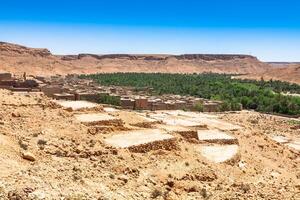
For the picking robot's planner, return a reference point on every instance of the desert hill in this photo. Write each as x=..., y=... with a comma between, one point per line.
x=289, y=72
x=54, y=154
x=18, y=59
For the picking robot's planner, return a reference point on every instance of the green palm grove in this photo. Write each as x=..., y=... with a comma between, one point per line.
x=263, y=96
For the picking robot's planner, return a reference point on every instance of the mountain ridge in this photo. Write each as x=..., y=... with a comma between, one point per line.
x=40, y=61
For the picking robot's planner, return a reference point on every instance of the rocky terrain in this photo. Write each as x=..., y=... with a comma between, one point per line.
x=18, y=59
x=283, y=71
x=51, y=152
x=290, y=71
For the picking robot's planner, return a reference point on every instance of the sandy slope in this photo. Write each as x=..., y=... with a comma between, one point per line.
x=18, y=59
x=287, y=72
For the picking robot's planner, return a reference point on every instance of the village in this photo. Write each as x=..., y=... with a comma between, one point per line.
x=72, y=88
x=57, y=130
x=150, y=100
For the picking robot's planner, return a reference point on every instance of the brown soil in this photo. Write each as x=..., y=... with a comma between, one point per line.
x=66, y=161
x=288, y=72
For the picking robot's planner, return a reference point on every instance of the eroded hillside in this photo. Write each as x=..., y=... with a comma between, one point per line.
x=51, y=152
x=17, y=59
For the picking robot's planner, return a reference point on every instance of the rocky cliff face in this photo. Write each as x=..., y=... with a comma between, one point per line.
x=18, y=59
x=209, y=57
x=13, y=49
x=206, y=57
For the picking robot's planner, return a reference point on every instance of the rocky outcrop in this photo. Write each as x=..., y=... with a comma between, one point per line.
x=69, y=57
x=209, y=57
x=205, y=57
x=121, y=56
x=13, y=49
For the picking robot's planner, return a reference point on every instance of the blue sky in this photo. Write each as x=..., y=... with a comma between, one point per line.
x=267, y=29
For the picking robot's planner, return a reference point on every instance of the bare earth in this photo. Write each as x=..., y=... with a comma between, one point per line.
x=19, y=59
x=287, y=72
x=47, y=153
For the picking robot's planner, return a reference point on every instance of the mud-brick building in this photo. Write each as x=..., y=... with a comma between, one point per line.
x=141, y=103
x=64, y=96
x=50, y=90
x=159, y=106
x=211, y=106
x=170, y=105
x=87, y=96
x=113, y=90
x=180, y=104
x=127, y=103
x=5, y=76
x=6, y=81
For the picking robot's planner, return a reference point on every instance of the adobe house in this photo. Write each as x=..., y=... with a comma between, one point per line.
x=5, y=76
x=141, y=103
x=64, y=96
x=88, y=96
x=159, y=106
x=127, y=103
x=211, y=106
x=50, y=90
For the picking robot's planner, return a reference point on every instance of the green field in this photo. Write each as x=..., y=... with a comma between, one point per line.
x=263, y=96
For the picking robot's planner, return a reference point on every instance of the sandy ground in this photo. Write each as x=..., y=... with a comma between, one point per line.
x=46, y=153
